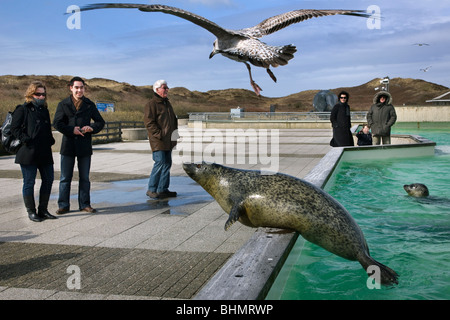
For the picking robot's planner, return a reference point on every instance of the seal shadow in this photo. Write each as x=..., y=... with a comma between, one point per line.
x=31, y=265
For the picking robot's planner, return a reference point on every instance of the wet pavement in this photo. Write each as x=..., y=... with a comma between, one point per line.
x=134, y=247
x=191, y=196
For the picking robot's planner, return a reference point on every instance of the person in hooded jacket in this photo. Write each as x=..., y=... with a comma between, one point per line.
x=341, y=122
x=162, y=124
x=381, y=117
x=31, y=124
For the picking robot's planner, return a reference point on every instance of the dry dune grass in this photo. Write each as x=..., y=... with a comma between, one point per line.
x=130, y=99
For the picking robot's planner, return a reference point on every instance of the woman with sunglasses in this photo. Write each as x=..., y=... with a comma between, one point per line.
x=341, y=122
x=31, y=124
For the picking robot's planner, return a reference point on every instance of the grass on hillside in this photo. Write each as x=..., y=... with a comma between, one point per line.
x=119, y=115
x=130, y=100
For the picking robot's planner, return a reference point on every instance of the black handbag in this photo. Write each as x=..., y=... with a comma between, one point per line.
x=10, y=143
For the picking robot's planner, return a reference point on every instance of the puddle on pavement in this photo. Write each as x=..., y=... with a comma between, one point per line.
x=190, y=198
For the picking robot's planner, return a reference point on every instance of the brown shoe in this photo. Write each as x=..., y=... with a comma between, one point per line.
x=89, y=209
x=62, y=210
x=152, y=194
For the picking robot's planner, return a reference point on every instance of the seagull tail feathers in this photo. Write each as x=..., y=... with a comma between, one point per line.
x=284, y=54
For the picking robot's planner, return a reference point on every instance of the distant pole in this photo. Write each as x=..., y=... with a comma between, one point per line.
x=385, y=83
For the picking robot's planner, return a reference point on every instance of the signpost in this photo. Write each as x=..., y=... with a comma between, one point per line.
x=105, y=106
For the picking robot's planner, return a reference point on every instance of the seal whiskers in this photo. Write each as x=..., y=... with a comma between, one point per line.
x=285, y=202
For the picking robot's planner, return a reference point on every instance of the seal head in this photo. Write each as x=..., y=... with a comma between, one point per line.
x=285, y=202
x=416, y=190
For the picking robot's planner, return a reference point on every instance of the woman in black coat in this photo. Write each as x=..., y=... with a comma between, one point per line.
x=31, y=124
x=341, y=122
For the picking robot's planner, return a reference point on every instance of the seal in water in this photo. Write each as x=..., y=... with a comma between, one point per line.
x=416, y=190
x=282, y=201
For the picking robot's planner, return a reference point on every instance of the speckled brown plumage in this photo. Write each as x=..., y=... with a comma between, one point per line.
x=242, y=45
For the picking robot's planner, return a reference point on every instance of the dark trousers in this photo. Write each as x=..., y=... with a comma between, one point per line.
x=29, y=173
x=84, y=185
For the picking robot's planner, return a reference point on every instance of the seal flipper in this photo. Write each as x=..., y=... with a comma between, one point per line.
x=235, y=213
x=387, y=275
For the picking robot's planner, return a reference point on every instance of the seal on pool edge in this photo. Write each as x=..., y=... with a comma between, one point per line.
x=282, y=201
x=416, y=190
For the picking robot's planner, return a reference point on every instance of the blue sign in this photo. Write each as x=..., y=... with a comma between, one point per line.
x=105, y=106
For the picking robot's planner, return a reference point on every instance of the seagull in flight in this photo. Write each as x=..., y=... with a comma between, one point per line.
x=426, y=69
x=420, y=44
x=243, y=45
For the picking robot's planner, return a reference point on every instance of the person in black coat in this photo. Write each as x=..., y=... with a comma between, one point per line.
x=341, y=122
x=31, y=124
x=73, y=119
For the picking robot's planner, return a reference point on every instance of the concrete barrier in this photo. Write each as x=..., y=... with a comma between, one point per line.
x=134, y=134
x=422, y=113
x=58, y=139
x=405, y=114
x=131, y=134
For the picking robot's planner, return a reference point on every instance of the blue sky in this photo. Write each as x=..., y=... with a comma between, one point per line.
x=136, y=47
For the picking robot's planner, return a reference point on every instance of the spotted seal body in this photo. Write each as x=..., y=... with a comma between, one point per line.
x=416, y=190
x=282, y=201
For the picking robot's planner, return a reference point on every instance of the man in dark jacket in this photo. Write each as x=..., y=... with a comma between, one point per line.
x=341, y=122
x=161, y=124
x=381, y=117
x=73, y=119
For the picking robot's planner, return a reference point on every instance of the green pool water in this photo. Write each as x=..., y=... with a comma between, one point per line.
x=410, y=235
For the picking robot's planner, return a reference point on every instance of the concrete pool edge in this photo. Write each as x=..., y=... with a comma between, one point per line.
x=251, y=271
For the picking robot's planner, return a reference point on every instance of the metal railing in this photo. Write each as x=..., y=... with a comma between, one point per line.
x=270, y=116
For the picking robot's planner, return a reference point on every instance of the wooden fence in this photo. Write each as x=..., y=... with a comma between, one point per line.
x=112, y=131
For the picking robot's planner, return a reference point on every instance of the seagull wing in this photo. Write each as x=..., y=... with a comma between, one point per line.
x=284, y=20
x=196, y=19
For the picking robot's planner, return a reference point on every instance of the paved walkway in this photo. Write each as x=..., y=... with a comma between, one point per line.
x=135, y=247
